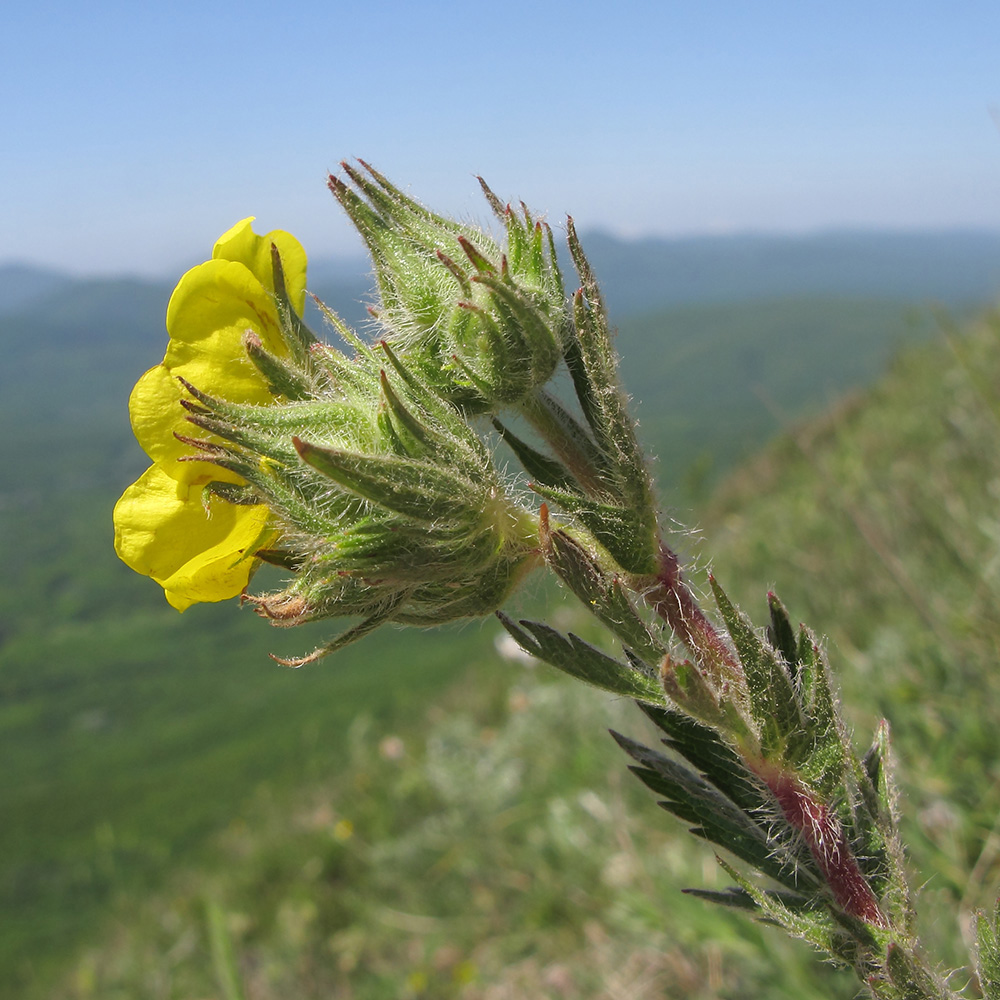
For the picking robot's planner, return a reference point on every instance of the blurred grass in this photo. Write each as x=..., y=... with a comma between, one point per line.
x=880, y=525
x=502, y=852
x=111, y=776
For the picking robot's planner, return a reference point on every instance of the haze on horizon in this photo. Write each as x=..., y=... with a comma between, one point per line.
x=134, y=136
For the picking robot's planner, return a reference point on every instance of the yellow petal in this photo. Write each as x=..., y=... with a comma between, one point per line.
x=212, y=307
x=243, y=245
x=163, y=531
x=157, y=416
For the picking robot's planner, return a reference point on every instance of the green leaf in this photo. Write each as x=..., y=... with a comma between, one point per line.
x=581, y=660
x=717, y=818
x=813, y=924
x=774, y=701
x=740, y=899
x=711, y=756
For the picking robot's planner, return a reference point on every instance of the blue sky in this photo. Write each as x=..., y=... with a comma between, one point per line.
x=133, y=135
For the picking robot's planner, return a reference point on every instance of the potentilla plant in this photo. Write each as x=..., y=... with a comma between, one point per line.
x=366, y=471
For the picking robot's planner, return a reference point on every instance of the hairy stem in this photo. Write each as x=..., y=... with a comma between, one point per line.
x=824, y=836
x=673, y=601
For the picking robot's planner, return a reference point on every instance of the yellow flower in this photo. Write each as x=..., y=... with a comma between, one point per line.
x=197, y=546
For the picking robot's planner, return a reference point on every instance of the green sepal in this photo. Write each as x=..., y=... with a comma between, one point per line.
x=282, y=379
x=482, y=264
x=540, y=333
x=590, y=286
x=629, y=541
x=282, y=558
x=781, y=635
x=872, y=826
x=320, y=350
x=383, y=614
x=909, y=978
x=687, y=687
x=414, y=439
x=604, y=595
x=446, y=430
x=297, y=335
x=541, y=468
x=774, y=702
x=393, y=200
x=408, y=552
x=456, y=272
x=586, y=394
x=579, y=659
x=603, y=400
x=246, y=436
x=589, y=466
x=234, y=493
x=406, y=486
x=877, y=764
x=499, y=210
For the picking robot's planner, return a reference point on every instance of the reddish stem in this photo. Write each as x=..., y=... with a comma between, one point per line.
x=818, y=826
x=824, y=836
x=676, y=605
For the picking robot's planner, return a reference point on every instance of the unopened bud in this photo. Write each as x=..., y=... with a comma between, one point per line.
x=486, y=326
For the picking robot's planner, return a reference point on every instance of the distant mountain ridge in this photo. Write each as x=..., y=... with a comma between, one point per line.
x=949, y=266
x=21, y=284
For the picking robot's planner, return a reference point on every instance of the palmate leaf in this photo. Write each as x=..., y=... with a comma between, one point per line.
x=713, y=758
x=706, y=751
x=811, y=923
x=717, y=818
x=581, y=660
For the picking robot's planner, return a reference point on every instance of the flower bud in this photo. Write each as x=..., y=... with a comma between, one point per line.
x=484, y=326
x=347, y=471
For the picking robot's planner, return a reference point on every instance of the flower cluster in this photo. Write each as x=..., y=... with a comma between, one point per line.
x=366, y=477
x=486, y=326
x=349, y=471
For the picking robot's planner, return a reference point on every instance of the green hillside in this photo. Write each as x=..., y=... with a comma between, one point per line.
x=493, y=846
x=715, y=382
x=880, y=525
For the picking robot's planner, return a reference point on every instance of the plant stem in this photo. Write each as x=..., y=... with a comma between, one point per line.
x=671, y=598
